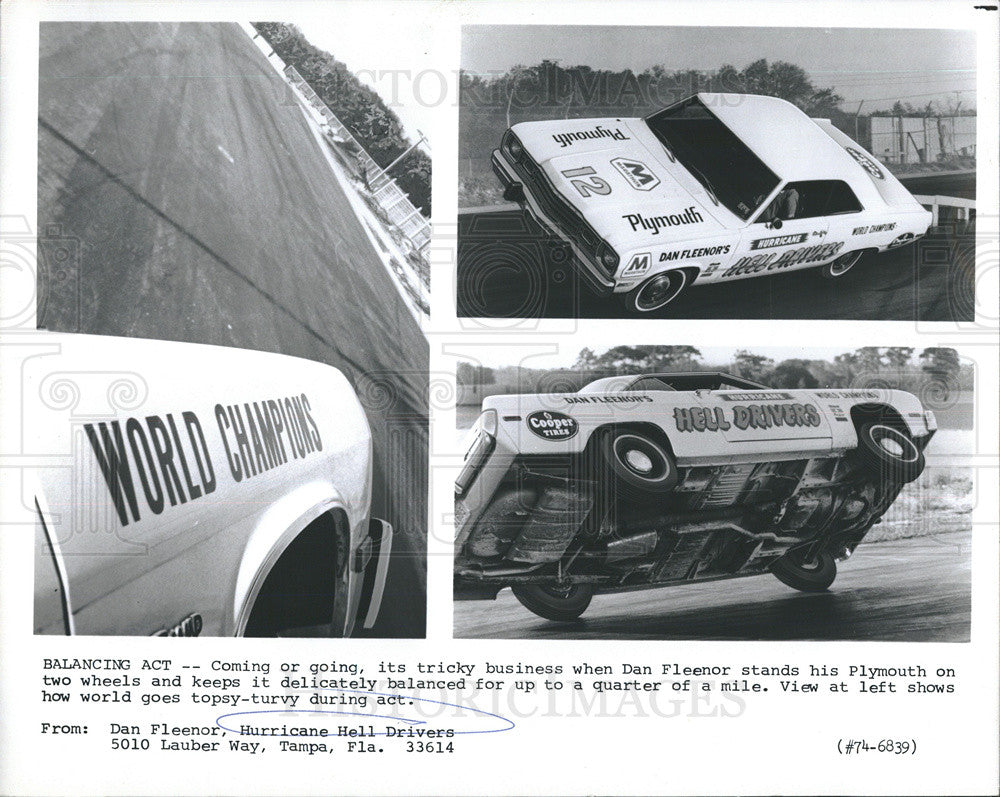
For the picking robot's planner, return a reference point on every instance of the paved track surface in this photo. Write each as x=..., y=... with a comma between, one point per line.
x=914, y=590
x=182, y=196
x=506, y=268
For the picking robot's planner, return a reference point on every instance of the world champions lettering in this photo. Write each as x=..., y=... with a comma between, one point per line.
x=166, y=461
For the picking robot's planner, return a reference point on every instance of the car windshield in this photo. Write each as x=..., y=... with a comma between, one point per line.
x=714, y=155
x=708, y=380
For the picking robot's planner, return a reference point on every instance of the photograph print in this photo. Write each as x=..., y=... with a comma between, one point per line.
x=675, y=492
x=717, y=173
x=230, y=392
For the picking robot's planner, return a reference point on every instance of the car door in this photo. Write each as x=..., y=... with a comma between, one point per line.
x=770, y=422
x=788, y=234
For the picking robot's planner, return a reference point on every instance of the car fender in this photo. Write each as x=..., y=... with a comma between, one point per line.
x=135, y=567
x=283, y=521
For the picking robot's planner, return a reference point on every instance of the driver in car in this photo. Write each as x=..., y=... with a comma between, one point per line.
x=784, y=206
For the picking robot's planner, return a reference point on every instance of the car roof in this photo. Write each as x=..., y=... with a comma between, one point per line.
x=617, y=384
x=791, y=144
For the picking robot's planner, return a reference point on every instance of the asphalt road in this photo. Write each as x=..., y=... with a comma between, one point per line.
x=182, y=196
x=915, y=590
x=507, y=268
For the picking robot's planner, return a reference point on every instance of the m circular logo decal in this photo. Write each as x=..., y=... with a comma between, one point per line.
x=552, y=425
x=867, y=163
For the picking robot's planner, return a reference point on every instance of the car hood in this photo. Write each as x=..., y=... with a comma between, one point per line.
x=616, y=173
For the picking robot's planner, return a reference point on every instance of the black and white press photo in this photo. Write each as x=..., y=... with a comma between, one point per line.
x=720, y=172
x=233, y=185
x=673, y=492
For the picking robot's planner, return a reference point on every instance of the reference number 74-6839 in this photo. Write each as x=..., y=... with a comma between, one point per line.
x=890, y=746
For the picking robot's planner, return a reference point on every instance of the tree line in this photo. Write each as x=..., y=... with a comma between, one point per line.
x=869, y=366
x=357, y=106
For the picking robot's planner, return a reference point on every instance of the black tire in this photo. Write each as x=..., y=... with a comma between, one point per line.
x=554, y=602
x=888, y=452
x=638, y=467
x=815, y=575
x=840, y=266
x=656, y=292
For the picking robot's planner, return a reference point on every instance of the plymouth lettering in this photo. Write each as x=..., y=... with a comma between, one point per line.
x=866, y=163
x=566, y=139
x=655, y=223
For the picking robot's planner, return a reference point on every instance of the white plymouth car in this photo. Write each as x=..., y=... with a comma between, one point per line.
x=178, y=489
x=716, y=187
x=661, y=479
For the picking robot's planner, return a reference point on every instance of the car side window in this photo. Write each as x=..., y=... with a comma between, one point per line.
x=650, y=383
x=808, y=199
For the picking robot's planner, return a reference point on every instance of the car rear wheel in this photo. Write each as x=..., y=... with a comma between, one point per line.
x=888, y=451
x=640, y=467
x=656, y=292
x=562, y=603
x=814, y=574
x=840, y=266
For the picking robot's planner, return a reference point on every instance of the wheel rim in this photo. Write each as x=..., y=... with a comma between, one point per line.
x=639, y=461
x=893, y=443
x=560, y=591
x=844, y=263
x=641, y=458
x=660, y=290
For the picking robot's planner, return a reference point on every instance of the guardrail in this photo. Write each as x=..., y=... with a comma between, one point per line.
x=935, y=203
x=390, y=197
x=396, y=205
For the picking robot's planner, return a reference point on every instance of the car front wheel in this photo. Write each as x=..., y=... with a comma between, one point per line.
x=562, y=603
x=840, y=266
x=656, y=292
x=888, y=451
x=805, y=574
x=641, y=468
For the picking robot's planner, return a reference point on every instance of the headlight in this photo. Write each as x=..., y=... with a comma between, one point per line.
x=512, y=147
x=608, y=258
x=482, y=440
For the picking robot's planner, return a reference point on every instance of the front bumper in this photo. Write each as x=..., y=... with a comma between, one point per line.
x=541, y=202
x=371, y=564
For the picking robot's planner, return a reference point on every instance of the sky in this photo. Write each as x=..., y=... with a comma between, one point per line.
x=404, y=75
x=875, y=65
x=542, y=356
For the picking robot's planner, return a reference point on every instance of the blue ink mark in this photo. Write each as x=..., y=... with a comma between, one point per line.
x=510, y=723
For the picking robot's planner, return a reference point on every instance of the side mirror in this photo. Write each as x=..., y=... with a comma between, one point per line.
x=775, y=224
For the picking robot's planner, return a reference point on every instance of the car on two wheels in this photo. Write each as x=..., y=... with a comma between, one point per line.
x=714, y=188
x=655, y=480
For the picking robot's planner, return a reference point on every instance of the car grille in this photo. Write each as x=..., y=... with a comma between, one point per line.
x=552, y=204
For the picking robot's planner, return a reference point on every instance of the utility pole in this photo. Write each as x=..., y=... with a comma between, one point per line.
x=423, y=138
x=856, y=115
